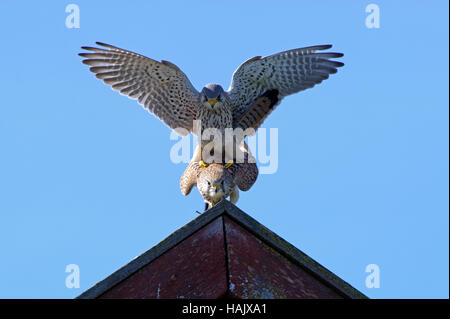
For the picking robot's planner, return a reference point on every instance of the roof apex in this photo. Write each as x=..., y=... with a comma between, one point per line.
x=251, y=225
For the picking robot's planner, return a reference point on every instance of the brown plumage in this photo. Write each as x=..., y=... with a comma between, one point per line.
x=216, y=182
x=164, y=90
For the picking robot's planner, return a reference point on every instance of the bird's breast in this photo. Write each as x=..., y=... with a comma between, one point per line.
x=215, y=119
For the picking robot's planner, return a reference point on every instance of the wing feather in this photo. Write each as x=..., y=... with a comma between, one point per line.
x=245, y=174
x=189, y=178
x=160, y=87
x=287, y=72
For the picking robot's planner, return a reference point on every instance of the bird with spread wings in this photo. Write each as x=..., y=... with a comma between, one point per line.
x=258, y=85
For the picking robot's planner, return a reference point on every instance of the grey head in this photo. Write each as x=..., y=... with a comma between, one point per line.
x=212, y=95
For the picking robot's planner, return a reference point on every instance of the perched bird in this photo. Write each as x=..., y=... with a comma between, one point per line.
x=216, y=182
x=164, y=90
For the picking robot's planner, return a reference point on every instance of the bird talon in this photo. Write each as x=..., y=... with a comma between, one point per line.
x=203, y=164
x=227, y=165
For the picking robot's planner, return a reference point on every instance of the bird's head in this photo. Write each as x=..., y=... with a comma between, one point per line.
x=215, y=182
x=213, y=96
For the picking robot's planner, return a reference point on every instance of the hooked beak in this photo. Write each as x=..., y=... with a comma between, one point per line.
x=212, y=102
x=217, y=187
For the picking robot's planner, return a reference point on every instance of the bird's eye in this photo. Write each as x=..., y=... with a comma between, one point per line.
x=209, y=184
x=218, y=97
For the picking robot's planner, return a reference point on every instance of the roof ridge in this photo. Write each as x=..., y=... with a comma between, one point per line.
x=253, y=226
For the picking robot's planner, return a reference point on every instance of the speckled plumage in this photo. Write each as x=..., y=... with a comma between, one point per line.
x=257, y=87
x=164, y=90
x=288, y=72
x=239, y=176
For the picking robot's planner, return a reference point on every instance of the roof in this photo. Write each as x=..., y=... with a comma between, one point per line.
x=223, y=253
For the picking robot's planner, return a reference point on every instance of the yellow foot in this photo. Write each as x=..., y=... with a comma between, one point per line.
x=208, y=205
x=203, y=164
x=227, y=165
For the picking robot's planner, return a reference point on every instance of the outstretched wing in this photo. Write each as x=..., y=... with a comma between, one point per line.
x=287, y=72
x=160, y=87
x=189, y=178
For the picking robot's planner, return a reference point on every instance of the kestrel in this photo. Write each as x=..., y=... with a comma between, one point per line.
x=164, y=90
x=216, y=182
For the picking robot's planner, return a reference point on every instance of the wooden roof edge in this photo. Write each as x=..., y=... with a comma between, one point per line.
x=153, y=253
x=253, y=226
x=292, y=252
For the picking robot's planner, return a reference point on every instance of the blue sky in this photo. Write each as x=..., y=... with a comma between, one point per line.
x=85, y=173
